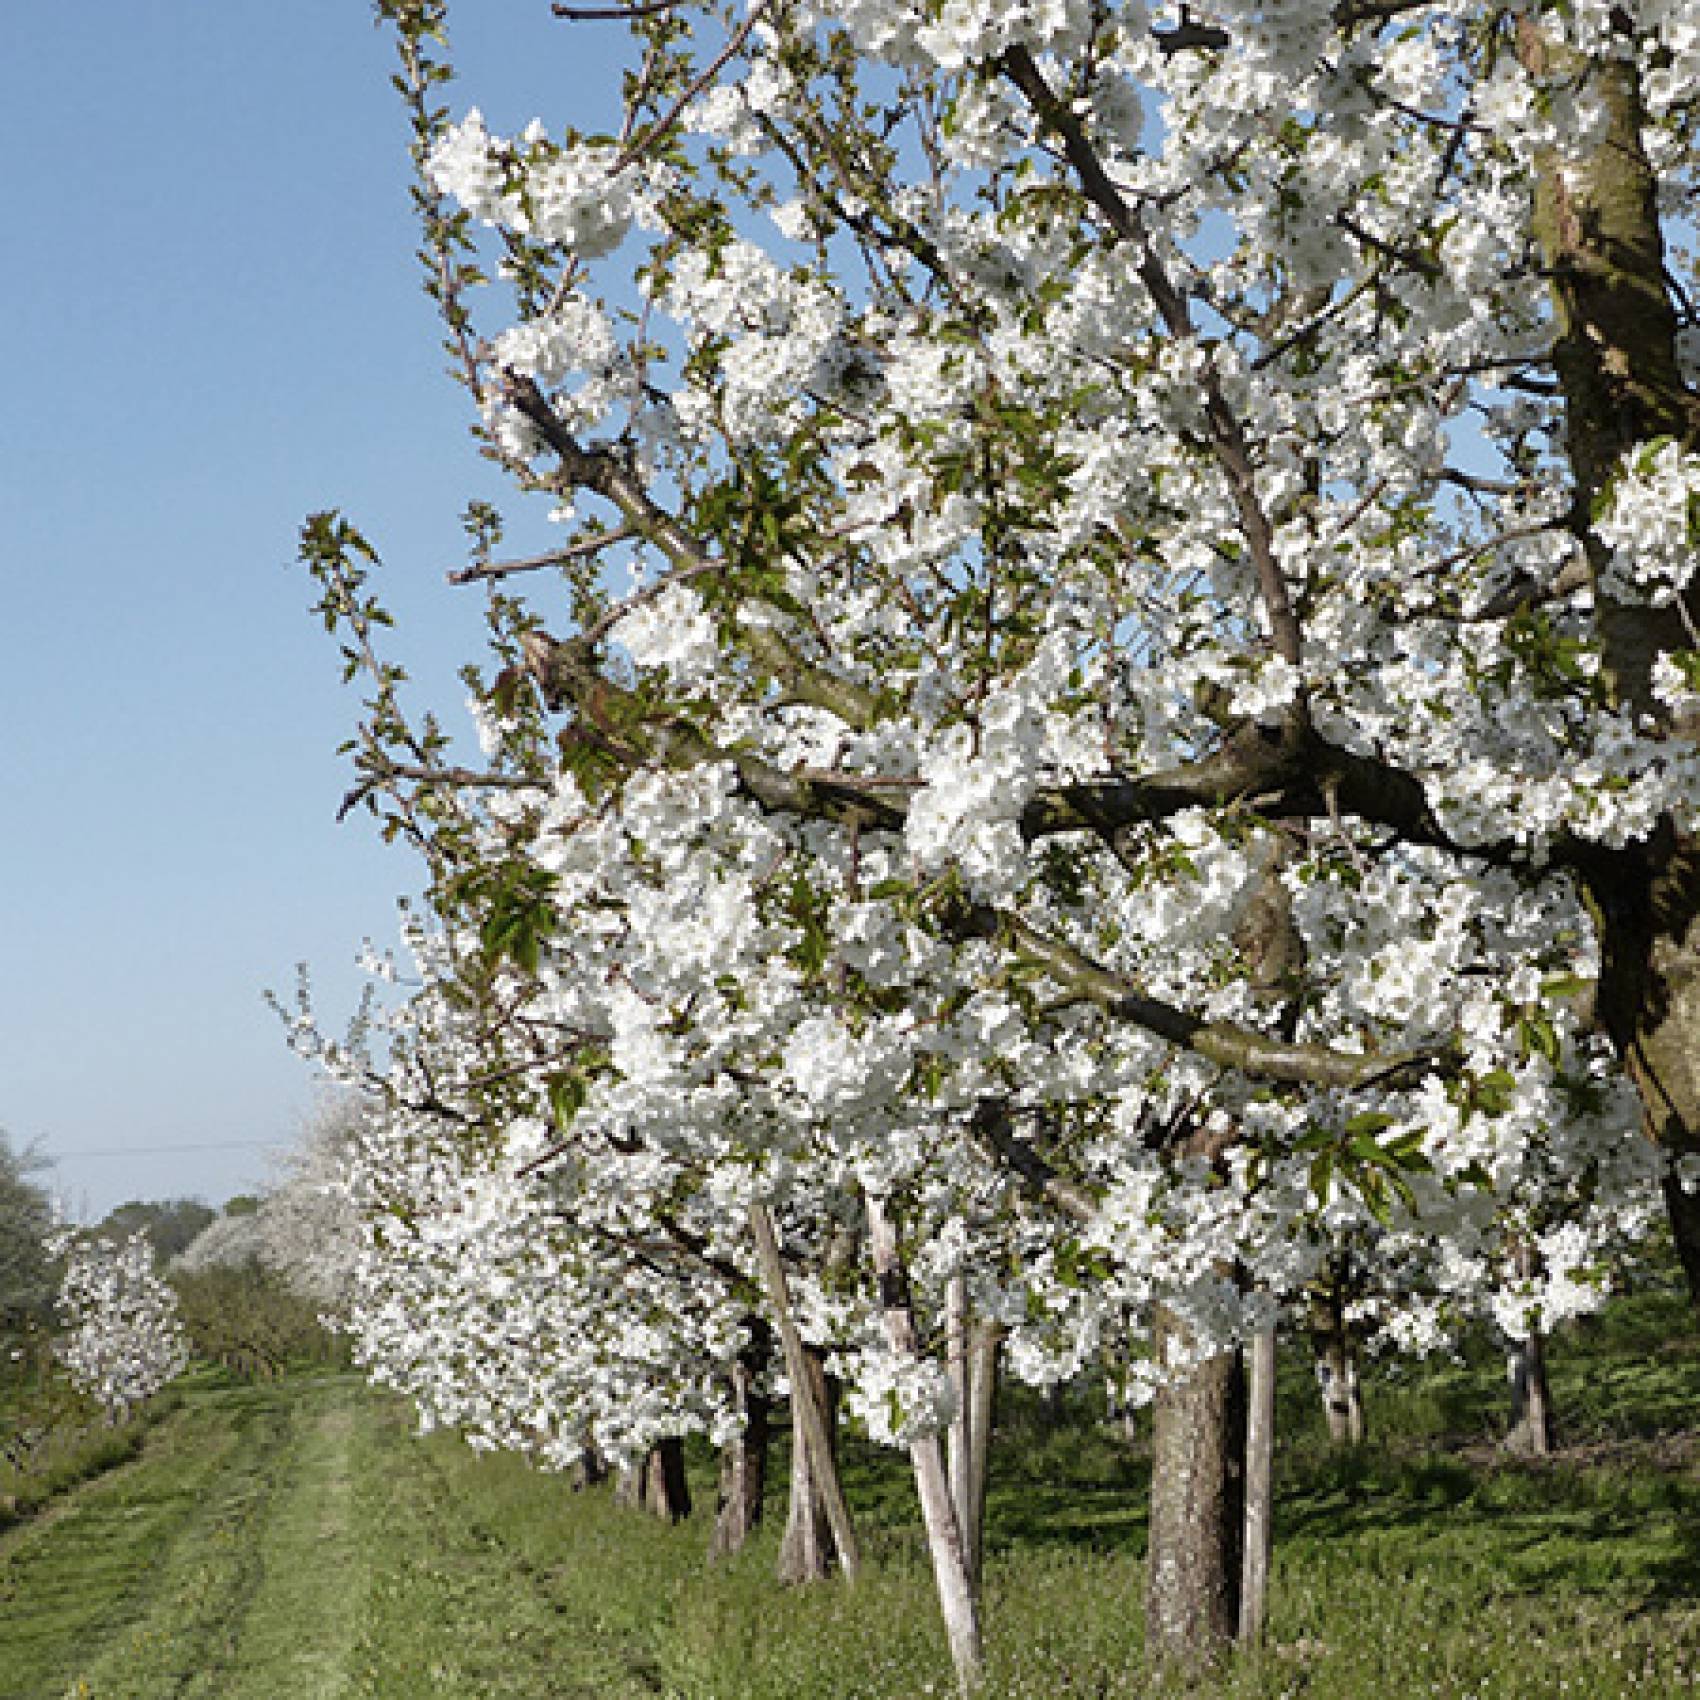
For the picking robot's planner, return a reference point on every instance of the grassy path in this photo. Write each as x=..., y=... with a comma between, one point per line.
x=292, y=1543
x=299, y=1542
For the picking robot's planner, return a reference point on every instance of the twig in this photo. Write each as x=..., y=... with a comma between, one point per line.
x=638, y=598
x=662, y=125
x=531, y=563
x=638, y=9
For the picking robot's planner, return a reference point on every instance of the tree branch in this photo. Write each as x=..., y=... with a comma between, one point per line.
x=993, y=1127
x=606, y=473
x=1227, y=435
x=483, y=570
x=1262, y=1056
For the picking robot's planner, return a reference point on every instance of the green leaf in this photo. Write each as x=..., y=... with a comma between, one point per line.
x=1370, y=1122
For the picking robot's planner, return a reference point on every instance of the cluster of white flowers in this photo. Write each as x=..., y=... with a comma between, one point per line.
x=1652, y=525
x=576, y=195
x=123, y=1341
x=974, y=837
x=670, y=629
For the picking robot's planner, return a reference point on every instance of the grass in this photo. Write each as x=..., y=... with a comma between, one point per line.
x=297, y=1542
x=52, y=1438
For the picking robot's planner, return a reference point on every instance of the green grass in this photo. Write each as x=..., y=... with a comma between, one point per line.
x=296, y=1541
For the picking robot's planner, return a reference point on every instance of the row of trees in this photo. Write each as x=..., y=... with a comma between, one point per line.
x=263, y=1285
x=1110, y=731
x=120, y=1307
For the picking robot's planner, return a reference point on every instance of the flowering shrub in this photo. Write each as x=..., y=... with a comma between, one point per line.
x=123, y=1341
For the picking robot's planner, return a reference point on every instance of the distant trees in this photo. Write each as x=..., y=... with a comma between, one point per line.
x=303, y=1230
x=257, y=1285
x=26, y=1218
x=170, y=1225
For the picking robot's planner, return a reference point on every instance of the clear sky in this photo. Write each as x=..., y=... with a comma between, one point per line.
x=212, y=327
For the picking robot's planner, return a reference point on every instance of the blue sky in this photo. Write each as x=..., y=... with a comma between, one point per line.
x=213, y=326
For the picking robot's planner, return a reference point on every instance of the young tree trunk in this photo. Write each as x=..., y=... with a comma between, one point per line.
x=666, y=1494
x=1192, y=1591
x=985, y=1349
x=591, y=1468
x=972, y=1348
x=1259, y=1539
x=1531, y=1400
x=958, y=1453
x=1526, y=1368
x=743, y=1460
x=629, y=1484
x=813, y=1452
x=958, y=1598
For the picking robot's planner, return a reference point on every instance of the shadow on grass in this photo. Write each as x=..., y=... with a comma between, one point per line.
x=1628, y=1534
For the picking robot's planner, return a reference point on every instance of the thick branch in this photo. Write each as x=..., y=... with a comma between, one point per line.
x=1597, y=220
x=1262, y=1056
x=1286, y=769
x=568, y=676
x=993, y=1127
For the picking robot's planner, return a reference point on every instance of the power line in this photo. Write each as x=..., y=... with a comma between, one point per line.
x=165, y=1150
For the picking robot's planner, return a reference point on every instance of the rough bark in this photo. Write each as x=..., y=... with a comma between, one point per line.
x=1259, y=1538
x=808, y=1550
x=743, y=1460
x=813, y=1450
x=1192, y=1595
x=1597, y=222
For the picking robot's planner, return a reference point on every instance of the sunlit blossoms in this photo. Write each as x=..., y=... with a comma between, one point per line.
x=1108, y=660
x=1116, y=718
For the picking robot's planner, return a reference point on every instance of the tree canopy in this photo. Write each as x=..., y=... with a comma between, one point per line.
x=1115, y=702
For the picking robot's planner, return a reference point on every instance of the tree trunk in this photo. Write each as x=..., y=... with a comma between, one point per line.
x=808, y=1549
x=629, y=1484
x=743, y=1460
x=666, y=1494
x=1531, y=1399
x=813, y=1451
x=1192, y=1594
x=972, y=1349
x=1259, y=1539
x=958, y=1597
x=591, y=1469
x=1337, y=1370
x=985, y=1348
x=1597, y=221
x=958, y=1451
x=1342, y=1394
